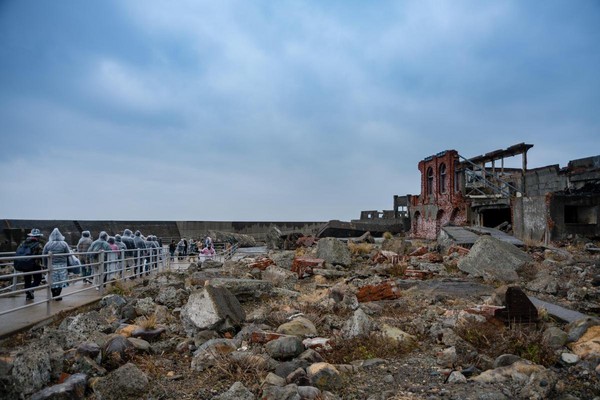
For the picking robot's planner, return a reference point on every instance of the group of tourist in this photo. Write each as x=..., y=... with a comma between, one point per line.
x=131, y=251
x=189, y=249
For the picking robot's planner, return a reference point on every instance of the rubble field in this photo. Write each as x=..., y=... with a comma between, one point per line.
x=402, y=319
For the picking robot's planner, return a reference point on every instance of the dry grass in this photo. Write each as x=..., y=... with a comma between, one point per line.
x=147, y=323
x=344, y=351
x=358, y=249
x=522, y=340
x=387, y=235
x=228, y=370
x=120, y=288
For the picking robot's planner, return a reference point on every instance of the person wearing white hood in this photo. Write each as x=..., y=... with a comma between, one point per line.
x=60, y=253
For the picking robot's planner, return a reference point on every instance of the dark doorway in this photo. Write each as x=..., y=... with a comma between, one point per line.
x=495, y=216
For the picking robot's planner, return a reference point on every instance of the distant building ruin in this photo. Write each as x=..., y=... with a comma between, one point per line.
x=541, y=204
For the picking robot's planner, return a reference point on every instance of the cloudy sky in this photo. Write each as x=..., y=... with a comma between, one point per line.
x=278, y=110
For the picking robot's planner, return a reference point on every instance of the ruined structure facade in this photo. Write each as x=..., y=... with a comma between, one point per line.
x=541, y=204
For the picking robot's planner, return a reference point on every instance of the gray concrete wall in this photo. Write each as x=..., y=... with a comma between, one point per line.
x=544, y=180
x=529, y=218
x=589, y=224
x=17, y=230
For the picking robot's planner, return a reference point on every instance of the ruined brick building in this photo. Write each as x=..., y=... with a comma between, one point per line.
x=540, y=204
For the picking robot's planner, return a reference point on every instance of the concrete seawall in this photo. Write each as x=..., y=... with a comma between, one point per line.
x=15, y=230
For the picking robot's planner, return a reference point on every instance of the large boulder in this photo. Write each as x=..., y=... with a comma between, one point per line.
x=127, y=382
x=300, y=326
x=244, y=289
x=359, y=325
x=334, y=251
x=240, y=239
x=237, y=391
x=83, y=326
x=212, y=308
x=285, y=348
x=494, y=260
x=34, y=366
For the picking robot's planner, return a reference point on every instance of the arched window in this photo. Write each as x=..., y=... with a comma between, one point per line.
x=429, y=181
x=443, y=178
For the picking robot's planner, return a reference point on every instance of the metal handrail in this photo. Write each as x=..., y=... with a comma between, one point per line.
x=496, y=188
x=128, y=264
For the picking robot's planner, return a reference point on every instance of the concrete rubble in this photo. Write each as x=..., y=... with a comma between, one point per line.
x=398, y=320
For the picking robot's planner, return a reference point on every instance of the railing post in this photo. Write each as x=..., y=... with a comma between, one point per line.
x=48, y=282
x=101, y=273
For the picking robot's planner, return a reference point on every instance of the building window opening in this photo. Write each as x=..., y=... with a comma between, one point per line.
x=495, y=217
x=443, y=178
x=429, y=181
x=586, y=215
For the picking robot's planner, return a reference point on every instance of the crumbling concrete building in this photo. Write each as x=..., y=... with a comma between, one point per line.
x=541, y=204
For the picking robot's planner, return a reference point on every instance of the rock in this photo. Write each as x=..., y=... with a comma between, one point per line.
x=145, y=306
x=212, y=308
x=274, y=380
x=140, y=345
x=229, y=237
x=73, y=388
x=278, y=276
x=544, y=283
x=578, y=328
x=359, y=325
x=310, y=356
x=457, y=377
x=283, y=259
x=117, y=351
x=113, y=300
x=126, y=382
x=207, y=354
x=148, y=334
x=324, y=376
x=171, y=297
x=536, y=381
x=569, y=358
x=89, y=349
x=285, y=348
x=83, y=326
x=36, y=365
x=505, y=360
x=299, y=326
x=309, y=393
x=298, y=376
x=588, y=346
x=447, y=357
x=334, y=251
x=405, y=339
x=494, y=260
x=397, y=245
x=237, y=391
x=274, y=238
x=212, y=264
x=288, y=392
x=555, y=337
x=244, y=289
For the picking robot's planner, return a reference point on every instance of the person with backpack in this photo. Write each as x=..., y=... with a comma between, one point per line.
x=32, y=246
x=60, y=266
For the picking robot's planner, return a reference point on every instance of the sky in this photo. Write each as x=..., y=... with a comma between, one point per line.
x=279, y=110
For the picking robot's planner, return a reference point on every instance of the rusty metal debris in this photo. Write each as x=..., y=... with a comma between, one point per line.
x=387, y=290
x=262, y=263
x=303, y=266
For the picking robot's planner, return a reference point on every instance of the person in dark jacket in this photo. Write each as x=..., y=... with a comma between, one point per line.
x=129, y=254
x=35, y=242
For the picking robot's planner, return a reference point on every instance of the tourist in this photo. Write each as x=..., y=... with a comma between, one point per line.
x=32, y=246
x=82, y=247
x=60, y=268
x=112, y=258
x=128, y=240
x=172, y=248
x=122, y=248
x=98, y=245
x=140, y=245
x=180, y=249
x=152, y=247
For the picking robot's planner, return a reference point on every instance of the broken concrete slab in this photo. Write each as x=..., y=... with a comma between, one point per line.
x=494, y=260
x=334, y=252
